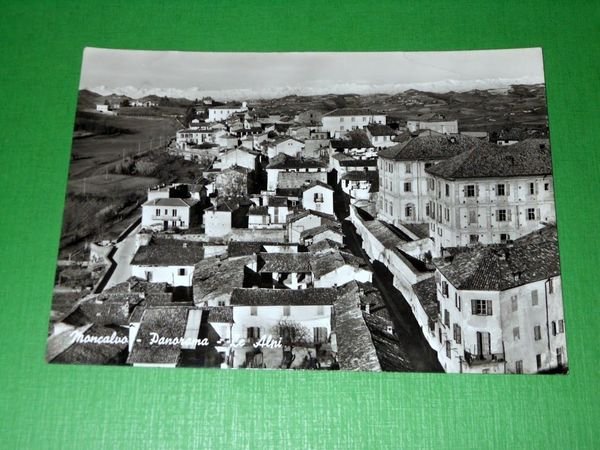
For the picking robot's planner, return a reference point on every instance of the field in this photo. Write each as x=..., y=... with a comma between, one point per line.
x=91, y=155
x=111, y=183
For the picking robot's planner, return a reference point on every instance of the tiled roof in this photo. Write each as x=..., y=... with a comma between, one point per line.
x=235, y=248
x=498, y=267
x=378, y=129
x=426, y=294
x=424, y=148
x=219, y=314
x=284, y=262
x=214, y=277
x=167, y=322
x=310, y=212
x=283, y=297
x=392, y=357
x=280, y=139
x=325, y=244
x=64, y=349
x=171, y=202
x=343, y=112
x=361, y=175
x=314, y=183
x=284, y=161
x=526, y=158
x=372, y=162
x=356, y=350
x=326, y=262
x=258, y=211
x=277, y=201
x=312, y=232
x=169, y=252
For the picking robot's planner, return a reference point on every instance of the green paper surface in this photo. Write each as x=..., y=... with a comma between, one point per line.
x=52, y=406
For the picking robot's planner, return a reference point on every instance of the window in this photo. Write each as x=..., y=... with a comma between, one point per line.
x=221, y=303
x=447, y=214
x=253, y=311
x=481, y=307
x=456, y=332
x=472, y=216
x=504, y=237
x=318, y=198
x=537, y=332
x=457, y=300
x=559, y=356
x=448, y=350
x=538, y=361
x=514, y=304
x=530, y=213
x=174, y=212
x=473, y=238
x=532, y=187
x=408, y=187
x=181, y=272
x=319, y=334
x=427, y=209
x=447, y=318
x=470, y=190
x=500, y=190
x=501, y=215
x=561, y=326
x=550, y=286
x=447, y=190
x=408, y=211
x=157, y=212
x=516, y=334
x=286, y=310
x=534, y=297
x=408, y=168
x=253, y=333
x=519, y=366
x=553, y=328
x=483, y=344
x=444, y=289
x=546, y=186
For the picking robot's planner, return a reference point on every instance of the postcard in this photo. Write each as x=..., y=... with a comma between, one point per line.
x=381, y=211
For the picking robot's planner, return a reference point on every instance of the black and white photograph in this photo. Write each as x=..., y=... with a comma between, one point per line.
x=373, y=211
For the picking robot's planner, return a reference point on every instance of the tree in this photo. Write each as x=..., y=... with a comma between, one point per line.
x=125, y=103
x=292, y=334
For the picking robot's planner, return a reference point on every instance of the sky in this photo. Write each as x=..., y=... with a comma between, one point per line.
x=247, y=76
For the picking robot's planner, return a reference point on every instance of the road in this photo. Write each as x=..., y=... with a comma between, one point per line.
x=122, y=257
x=421, y=357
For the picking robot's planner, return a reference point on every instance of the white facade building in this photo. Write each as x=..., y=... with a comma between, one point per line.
x=220, y=113
x=340, y=121
x=501, y=308
x=318, y=196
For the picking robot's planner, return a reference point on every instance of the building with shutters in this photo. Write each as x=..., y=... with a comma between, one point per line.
x=500, y=307
x=490, y=194
x=403, y=181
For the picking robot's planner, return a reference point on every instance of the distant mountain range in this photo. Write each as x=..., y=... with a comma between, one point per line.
x=89, y=98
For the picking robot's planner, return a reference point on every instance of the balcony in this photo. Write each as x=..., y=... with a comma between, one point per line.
x=474, y=359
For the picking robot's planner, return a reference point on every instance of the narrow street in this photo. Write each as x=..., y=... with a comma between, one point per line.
x=122, y=258
x=420, y=355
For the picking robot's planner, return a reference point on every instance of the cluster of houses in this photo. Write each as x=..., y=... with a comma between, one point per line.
x=476, y=249
x=247, y=266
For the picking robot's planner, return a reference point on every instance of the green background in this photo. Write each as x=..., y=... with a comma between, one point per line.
x=44, y=406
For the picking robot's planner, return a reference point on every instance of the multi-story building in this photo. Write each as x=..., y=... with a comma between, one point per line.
x=340, y=121
x=220, y=113
x=490, y=194
x=500, y=307
x=403, y=181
